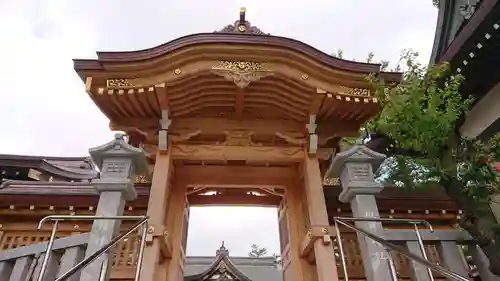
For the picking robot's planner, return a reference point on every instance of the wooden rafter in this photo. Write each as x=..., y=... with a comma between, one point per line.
x=240, y=100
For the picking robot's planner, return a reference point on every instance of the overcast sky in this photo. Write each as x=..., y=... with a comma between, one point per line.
x=45, y=111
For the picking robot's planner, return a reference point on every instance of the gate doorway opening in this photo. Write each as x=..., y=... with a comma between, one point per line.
x=237, y=226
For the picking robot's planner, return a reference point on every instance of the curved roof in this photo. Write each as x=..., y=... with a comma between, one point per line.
x=239, y=33
x=76, y=168
x=238, y=73
x=221, y=38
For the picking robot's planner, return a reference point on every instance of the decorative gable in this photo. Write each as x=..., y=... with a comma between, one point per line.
x=222, y=273
x=222, y=269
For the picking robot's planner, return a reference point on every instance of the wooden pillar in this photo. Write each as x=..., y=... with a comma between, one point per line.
x=295, y=268
x=175, y=223
x=154, y=265
x=318, y=216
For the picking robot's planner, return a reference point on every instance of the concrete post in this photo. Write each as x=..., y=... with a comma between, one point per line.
x=355, y=167
x=418, y=271
x=482, y=263
x=452, y=257
x=118, y=162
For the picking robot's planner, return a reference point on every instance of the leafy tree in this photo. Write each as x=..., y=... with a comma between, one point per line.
x=339, y=54
x=257, y=251
x=277, y=260
x=418, y=129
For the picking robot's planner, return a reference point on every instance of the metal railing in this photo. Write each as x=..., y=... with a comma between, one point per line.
x=142, y=221
x=388, y=246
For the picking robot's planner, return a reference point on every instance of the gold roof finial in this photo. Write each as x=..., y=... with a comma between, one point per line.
x=242, y=26
x=242, y=23
x=242, y=18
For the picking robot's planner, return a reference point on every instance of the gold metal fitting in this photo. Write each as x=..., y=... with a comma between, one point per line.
x=177, y=71
x=151, y=229
x=325, y=230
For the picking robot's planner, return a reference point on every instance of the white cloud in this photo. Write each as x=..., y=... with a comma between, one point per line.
x=45, y=110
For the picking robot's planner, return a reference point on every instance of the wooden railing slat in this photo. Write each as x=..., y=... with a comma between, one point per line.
x=52, y=267
x=6, y=268
x=61, y=243
x=71, y=257
x=21, y=268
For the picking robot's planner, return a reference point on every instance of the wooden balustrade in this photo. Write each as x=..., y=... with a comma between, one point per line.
x=353, y=257
x=19, y=263
x=21, y=253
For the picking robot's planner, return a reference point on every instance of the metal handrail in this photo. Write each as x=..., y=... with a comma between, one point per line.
x=390, y=246
x=392, y=267
x=142, y=221
x=409, y=221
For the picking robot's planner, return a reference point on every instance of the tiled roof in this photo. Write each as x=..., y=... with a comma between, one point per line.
x=255, y=269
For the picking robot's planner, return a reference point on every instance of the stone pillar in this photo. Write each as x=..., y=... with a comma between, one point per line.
x=318, y=217
x=118, y=162
x=482, y=263
x=452, y=257
x=355, y=167
x=418, y=271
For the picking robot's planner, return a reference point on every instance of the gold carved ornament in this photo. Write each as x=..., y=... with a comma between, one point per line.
x=117, y=83
x=356, y=92
x=331, y=181
x=242, y=73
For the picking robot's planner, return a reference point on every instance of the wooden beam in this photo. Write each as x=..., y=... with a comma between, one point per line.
x=317, y=101
x=235, y=176
x=249, y=153
x=315, y=233
x=240, y=100
x=220, y=125
x=234, y=200
x=161, y=93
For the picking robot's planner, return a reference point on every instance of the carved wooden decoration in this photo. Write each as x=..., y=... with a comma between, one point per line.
x=242, y=26
x=184, y=137
x=242, y=73
x=117, y=83
x=239, y=138
x=359, y=92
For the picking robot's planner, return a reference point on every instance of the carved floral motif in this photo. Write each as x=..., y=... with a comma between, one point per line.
x=358, y=92
x=331, y=181
x=241, y=72
x=141, y=179
x=239, y=138
x=116, y=83
x=184, y=137
x=240, y=66
x=291, y=139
